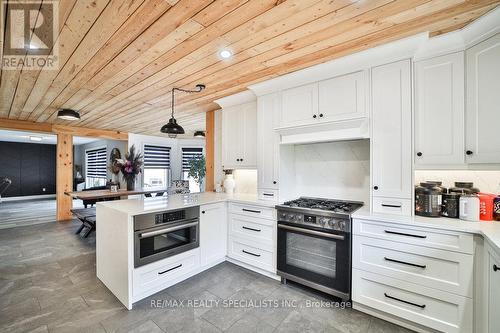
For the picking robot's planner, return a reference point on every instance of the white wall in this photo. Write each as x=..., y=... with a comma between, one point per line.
x=486, y=181
x=334, y=170
x=79, y=152
x=175, y=153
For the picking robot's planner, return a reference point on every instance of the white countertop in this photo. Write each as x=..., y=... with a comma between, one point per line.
x=490, y=230
x=139, y=206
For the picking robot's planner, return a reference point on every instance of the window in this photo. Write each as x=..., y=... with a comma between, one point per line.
x=189, y=153
x=95, y=167
x=156, y=166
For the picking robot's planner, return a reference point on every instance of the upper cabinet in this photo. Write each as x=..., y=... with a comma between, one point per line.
x=391, y=135
x=268, y=112
x=239, y=131
x=483, y=102
x=340, y=98
x=299, y=105
x=439, y=110
x=343, y=97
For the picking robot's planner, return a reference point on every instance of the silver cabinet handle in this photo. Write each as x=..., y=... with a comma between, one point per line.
x=162, y=231
x=311, y=232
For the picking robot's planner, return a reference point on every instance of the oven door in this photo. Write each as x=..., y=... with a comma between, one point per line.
x=164, y=241
x=318, y=259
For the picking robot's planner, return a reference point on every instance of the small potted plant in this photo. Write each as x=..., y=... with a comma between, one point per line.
x=197, y=170
x=130, y=167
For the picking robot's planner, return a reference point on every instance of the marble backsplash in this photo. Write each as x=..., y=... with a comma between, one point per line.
x=336, y=170
x=486, y=180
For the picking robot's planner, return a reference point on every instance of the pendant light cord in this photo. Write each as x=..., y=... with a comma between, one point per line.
x=199, y=88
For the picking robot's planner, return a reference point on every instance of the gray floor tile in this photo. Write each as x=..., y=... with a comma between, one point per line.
x=146, y=327
x=250, y=324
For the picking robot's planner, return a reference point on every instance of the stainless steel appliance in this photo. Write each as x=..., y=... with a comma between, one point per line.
x=314, y=244
x=161, y=235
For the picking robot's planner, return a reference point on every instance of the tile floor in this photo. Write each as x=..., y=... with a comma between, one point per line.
x=48, y=284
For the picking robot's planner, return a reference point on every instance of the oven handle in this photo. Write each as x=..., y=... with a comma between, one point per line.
x=162, y=231
x=311, y=232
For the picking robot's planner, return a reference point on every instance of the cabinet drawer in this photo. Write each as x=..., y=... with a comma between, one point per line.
x=392, y=206
x=165, y=271
x=251, y=228
x=433, y=308
x=252, y=210
x=441, y=269
x=261, y=257
x=439, y=239
x=268, y=194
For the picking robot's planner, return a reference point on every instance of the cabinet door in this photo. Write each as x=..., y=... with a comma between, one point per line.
x=483, y=102
x=268, y=108
x=300, y=105
x=248, y=132
x=493, y=295
x=439, y=110
x=391, y=138
x=213, y=233
x=231, y=137
x=343, y=97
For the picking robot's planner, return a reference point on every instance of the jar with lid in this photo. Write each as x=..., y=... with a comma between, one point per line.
x=428, y=199
x=464, y=188
x=450, y=206
x=438, y=184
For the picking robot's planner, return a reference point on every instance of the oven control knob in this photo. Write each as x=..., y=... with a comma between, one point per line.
x=324, y=221
x=291, y=217
x=341, y=225
x=331, y=223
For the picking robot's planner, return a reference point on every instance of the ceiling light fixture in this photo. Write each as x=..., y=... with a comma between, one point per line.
x=199, y=134
x=225, y=54
x=36, y=138
x=68, y=114
x=172, y=128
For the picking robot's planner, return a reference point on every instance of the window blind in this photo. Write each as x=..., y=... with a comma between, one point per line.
x=96, y=163
x=156, y=157
x=188, y=154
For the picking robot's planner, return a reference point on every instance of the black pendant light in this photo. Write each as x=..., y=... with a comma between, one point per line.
x=68, y=114
x=172, y=128
x=199, y=134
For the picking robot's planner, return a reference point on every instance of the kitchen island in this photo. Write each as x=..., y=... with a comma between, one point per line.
x=188, y=234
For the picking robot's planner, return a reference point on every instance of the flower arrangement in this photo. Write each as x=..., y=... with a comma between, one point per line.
x=130, y=166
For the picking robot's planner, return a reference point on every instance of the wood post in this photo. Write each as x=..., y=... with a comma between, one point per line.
x=64, y=176
x=209, y=150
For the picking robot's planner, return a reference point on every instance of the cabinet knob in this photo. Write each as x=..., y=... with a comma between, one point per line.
x=237, y=160
x=274, y=182
x=321, y=115
x=419, y=154
x=469, y=152
x=203, y=212
x=375, y=187
x=495, y=268
x=241, y=160
x=314, y=116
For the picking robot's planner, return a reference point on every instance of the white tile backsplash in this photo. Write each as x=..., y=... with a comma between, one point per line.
x=337, y=170
x=245, y=181
x=486, y=180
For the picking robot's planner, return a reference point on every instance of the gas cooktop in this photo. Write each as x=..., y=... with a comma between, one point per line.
x=335, y=206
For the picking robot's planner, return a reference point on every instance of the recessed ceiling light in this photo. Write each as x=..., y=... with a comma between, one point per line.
x=225, y=54
x=36, y=138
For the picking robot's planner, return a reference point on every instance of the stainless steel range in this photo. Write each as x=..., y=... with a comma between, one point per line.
x=314, y=243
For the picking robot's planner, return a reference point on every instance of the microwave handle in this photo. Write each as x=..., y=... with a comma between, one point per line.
x=311, y=232
x=162, y=231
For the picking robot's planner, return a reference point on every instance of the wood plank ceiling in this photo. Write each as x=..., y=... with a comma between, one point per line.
x=119, y=59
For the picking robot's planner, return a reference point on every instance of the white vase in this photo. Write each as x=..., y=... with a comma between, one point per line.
x=229, y=184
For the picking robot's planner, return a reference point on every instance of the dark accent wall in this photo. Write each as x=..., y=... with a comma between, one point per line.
x=30, y=166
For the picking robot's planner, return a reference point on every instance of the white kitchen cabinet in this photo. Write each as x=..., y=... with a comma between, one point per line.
x=391, y=131
x=492, y=288
x=439, y=110
x=483, y=100
x=213, y=234
x=299, y=106
x=239, y=130
x=268, y=141
x=343, y=97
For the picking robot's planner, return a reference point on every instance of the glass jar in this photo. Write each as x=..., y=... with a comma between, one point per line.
x=464, y=188
x=428, y=200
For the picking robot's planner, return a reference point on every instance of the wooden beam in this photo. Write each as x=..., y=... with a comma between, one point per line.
x=209, y=150
x=64, y=176
x=25, y=125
